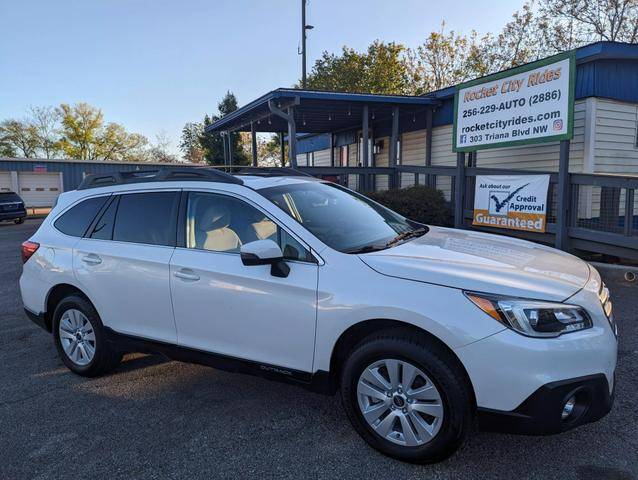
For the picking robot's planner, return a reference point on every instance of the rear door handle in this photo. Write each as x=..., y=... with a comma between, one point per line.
x=186, y=274
x=91, y=259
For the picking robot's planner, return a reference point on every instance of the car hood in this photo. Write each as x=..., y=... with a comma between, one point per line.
x=483, y=262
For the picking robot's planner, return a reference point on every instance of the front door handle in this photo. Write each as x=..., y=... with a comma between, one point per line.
x=91, y=259
x=186, y=274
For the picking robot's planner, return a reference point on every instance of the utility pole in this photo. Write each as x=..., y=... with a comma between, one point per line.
x=304, y=28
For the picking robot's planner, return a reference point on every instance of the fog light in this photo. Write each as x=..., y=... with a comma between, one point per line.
x=568, y=408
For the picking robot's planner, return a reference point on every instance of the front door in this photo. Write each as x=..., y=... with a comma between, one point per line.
x=224, y=307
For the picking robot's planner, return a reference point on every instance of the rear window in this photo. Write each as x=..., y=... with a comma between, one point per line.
x=9, y=197
x=76, y=220
x=149, y=218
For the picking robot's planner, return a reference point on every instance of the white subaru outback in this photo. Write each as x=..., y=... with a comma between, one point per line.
x=421, y=329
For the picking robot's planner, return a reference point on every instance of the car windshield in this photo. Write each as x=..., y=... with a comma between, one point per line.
x=342, y=219
x=9, y=197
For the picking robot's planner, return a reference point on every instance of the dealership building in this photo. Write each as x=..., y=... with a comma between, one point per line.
x=329, y=132
x=605, y=136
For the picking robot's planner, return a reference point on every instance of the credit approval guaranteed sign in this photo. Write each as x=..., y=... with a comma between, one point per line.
x=528, y=104
x=517, y=202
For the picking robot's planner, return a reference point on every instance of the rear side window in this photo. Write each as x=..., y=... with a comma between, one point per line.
x=77, y=219
x=149, y=218
x=103, y=229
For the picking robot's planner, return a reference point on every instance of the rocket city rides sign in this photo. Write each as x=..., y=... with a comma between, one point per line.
x=529, y=104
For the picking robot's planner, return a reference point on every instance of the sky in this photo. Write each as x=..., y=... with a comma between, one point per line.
x=153, y=65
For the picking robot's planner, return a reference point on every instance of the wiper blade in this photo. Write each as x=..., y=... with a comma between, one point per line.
x=405, y=235
x=367, y=249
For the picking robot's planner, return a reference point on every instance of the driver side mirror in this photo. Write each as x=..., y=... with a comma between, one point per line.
x=265, y=252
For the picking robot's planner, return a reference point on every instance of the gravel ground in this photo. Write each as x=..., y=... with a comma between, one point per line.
x=158, y=419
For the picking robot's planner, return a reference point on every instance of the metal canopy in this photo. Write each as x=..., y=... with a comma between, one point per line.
x=316, y=111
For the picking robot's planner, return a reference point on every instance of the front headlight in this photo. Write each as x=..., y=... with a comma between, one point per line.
x=533, y=318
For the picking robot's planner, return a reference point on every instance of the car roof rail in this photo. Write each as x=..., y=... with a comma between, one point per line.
x=161, y=174
x=269, y=171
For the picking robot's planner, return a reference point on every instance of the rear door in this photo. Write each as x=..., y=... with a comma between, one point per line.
x=123, y=263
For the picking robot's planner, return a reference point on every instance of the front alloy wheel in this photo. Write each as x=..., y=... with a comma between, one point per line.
x=407, y=395
x=400, y=402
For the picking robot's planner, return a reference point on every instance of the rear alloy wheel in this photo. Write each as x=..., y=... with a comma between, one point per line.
x=18, y=221
x=77, y=337
x=400, y=402
x=80, y=339
x=407, y=396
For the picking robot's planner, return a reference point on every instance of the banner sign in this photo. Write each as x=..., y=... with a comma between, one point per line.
x=517, y=202
x=529, y=104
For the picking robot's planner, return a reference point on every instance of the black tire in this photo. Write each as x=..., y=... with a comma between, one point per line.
x=106, y=356
x=18, y=221
x=444, y=371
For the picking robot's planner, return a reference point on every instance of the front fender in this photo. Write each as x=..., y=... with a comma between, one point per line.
x=367, y=295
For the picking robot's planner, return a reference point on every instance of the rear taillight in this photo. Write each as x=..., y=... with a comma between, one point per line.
x=28, y=249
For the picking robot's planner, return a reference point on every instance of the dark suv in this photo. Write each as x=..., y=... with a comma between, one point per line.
x=12, y=207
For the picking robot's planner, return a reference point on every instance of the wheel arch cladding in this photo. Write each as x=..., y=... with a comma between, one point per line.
x=55, y=295
x=356, y=333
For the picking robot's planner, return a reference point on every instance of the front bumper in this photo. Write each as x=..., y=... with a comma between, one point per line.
x=540, y=413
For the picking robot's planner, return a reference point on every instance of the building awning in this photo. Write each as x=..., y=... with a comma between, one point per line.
x=317, y=111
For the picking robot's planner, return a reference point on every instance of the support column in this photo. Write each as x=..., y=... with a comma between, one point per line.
x=459, y=190
x=430, y=179
x=332, y=149
x=292, y=138
x=253, y=135
x=225, y=144
x=563, y=197
x=282, y=149
x=230, y=148
x=394, y=138
x=365, y=139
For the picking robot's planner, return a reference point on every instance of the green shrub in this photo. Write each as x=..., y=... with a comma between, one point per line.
x=419, y=203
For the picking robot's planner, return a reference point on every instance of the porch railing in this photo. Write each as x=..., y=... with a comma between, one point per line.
x=600, y=211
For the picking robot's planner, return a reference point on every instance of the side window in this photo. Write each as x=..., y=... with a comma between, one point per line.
x=293, y=250
x=103, y=229
x=149, y=218
x=223, y=224
x=76, y=220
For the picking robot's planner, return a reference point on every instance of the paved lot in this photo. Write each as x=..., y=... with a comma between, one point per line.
x=158, y=419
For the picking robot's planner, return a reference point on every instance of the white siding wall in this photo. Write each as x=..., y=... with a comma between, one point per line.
x=381, y=160
x=353, y=161
x=322, y=158
x=413, y=146
x=302, y=159
x=615, y=147
x=614, y=130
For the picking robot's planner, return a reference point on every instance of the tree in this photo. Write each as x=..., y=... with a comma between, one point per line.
x=446, y=59
x=45, y=122
x=159, y=151
x=6, y=149
x=189, y=145
x=85, y=136
x=19, y=137
x=212, y=143
x=593, y=20
x=383, y=69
